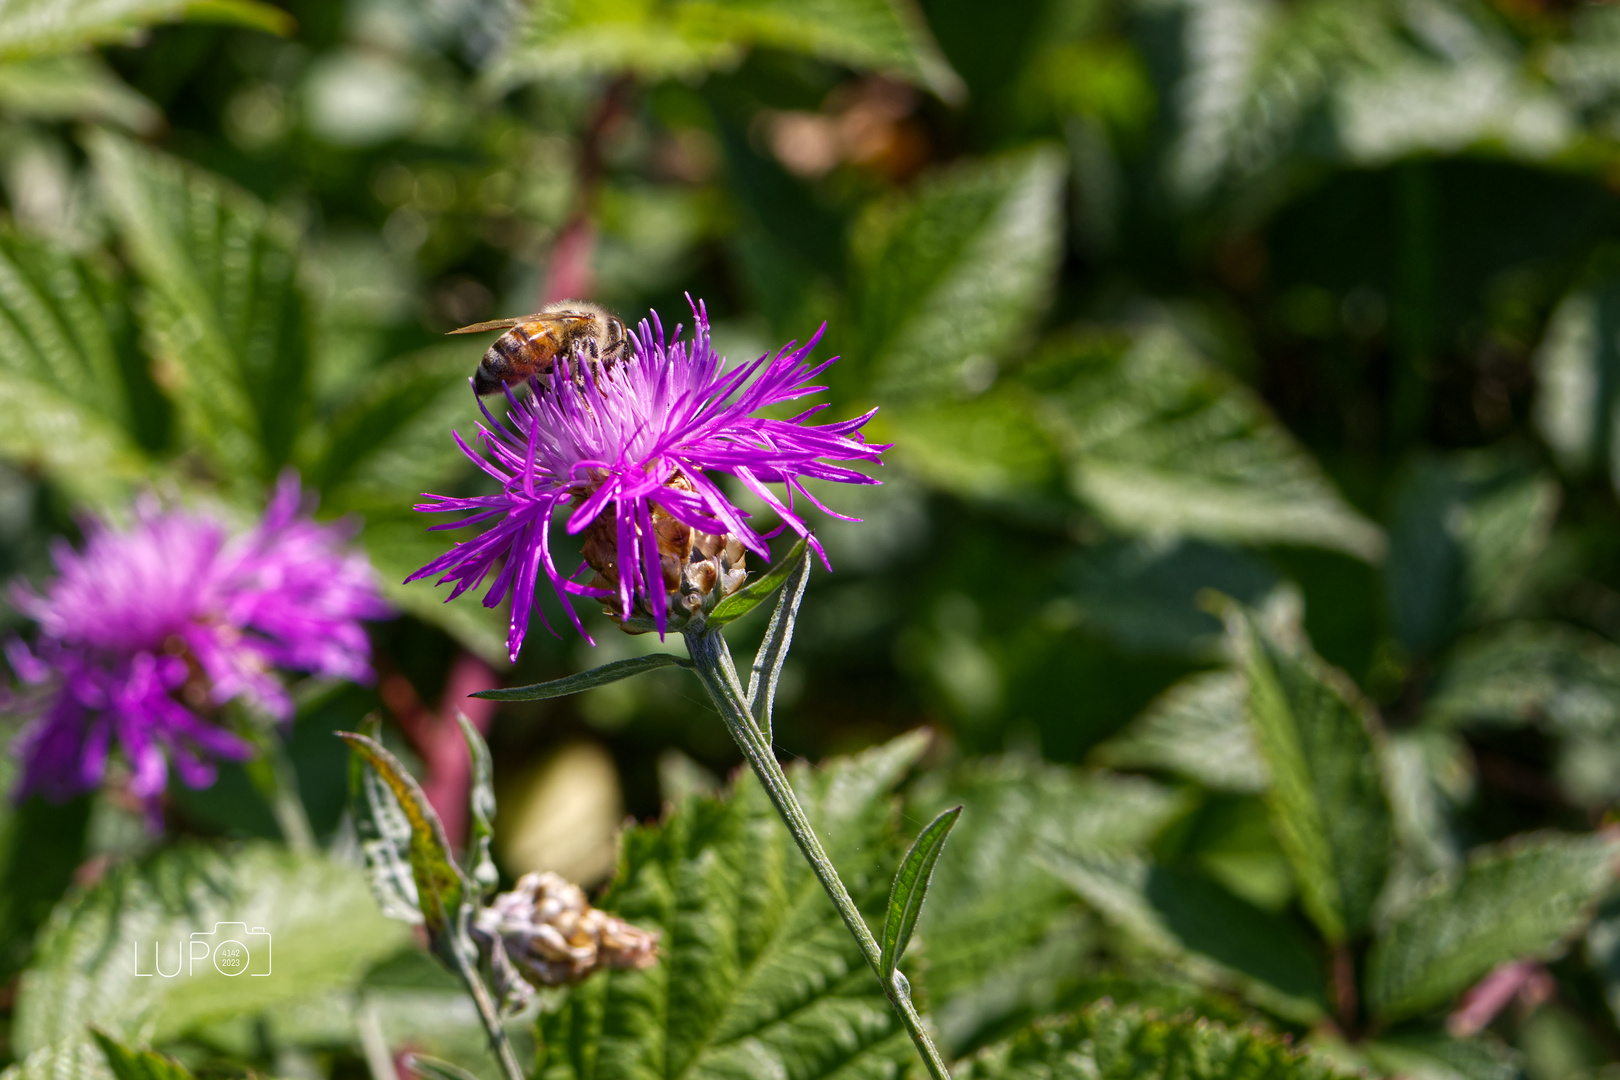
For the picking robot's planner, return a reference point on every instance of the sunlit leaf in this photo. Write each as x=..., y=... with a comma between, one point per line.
x=64, y=347
x=384, y=833
x=73, y=88
x=42, y=27
x=687, y=38
x=1199, y=729
x=127, y=1064
x=310, y=921
x=1327, y=798
x=757, y=973
x=1160, y=441
x=480, y=808
x=1523, y=898
x=1190, y=918
x=950, y=280
x=1463, y=537
x=910, y=888
x=1001, y=934
x=441, y=887
x=1129, y=1044
x=224, y=308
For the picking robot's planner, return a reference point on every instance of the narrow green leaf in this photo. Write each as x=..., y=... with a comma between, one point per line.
x=766, y=670
x=910, y=887
x=1521, y=899
x=1327, y=799
x=951, y=279
x=127, y=1064
x=759, y=590
x=385, y=838
x=586, y=680
x=1131, y=1044
x=481, y=809
x=432, y=1068
x=30, y=28
x=440, y=886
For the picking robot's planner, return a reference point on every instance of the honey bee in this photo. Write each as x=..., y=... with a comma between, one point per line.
x=532, y=343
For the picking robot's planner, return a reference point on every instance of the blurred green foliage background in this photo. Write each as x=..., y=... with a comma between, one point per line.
x=1313, y=305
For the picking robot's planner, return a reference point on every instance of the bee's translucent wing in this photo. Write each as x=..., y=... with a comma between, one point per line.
x=493, y=324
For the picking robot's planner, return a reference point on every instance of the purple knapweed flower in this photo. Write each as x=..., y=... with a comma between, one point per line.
x=145, y=633
x=627, y=451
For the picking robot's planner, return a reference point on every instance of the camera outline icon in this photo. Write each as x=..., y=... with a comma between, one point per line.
x=227, y=945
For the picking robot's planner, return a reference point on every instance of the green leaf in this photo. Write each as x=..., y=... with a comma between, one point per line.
x=73, y=88
x=1001, y=933
x=72, y=1059
x=991, y=448
x=1216, y=936
x=127, y=1064
x=910, y=887
x=1531, y=673
x=766, y=670
x=1578, y=377
x=758, y=975
x=1433, y=1055
x=385, y=838
x=1105, y=1041
x=432, y=1068
x=1160, y=441
x=399, y=544
x=1564, y=680
x=480, y=809
x=951, y=280
x=41, y=845
x=94, y=963
x=1327, y=799
x=1464, y=535
x=1144, y=594
x=224, y=311
x=42, y=27
x=393, y=439
x=563, y=39
x=1519, y=899
x=761, y=589
x=1199, y=728
x=64, y=344
x=441, y=888
x=586, y=680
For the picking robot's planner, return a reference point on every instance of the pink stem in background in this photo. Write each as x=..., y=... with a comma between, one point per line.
x=569, y=275
x=437, y=736
x=1525, y=980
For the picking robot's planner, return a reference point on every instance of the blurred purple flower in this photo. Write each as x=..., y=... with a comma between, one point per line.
x=145, y=633
x=627, y=452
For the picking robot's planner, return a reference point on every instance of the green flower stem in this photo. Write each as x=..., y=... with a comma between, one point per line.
x=467, y=967
x=713, y=665
x=272, y=773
